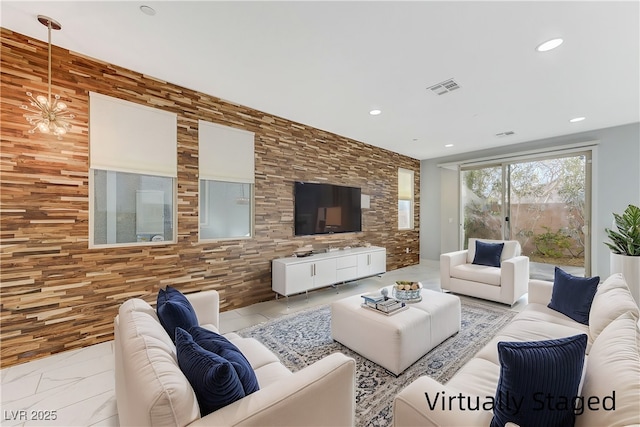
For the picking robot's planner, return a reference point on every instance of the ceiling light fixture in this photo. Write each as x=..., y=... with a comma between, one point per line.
x=375, y=112
x=45, y=115
x=577, y=119
x=448, y=145
x=549, y=45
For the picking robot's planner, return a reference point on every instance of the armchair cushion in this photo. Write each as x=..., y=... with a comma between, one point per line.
x=175, y=310
x=572, y=295
x=221, y=346
x=531, y=371
x=213, y=378
x=488, y=253
x=477, y=273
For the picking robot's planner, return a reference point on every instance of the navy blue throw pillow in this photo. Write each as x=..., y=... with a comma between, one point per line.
x=212, y=378
x=539, y=382
x=573, y=295
x=174, y=309
x=221, y=346
x=488, y=253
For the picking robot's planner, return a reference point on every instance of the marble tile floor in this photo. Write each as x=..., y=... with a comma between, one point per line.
x=77, y=387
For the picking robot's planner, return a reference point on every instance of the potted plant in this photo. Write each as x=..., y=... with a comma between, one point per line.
x=625, y=247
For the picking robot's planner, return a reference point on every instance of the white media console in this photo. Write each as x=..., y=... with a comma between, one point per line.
x=295, y=275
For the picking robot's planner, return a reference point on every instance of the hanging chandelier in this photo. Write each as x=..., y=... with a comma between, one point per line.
x=43, y=113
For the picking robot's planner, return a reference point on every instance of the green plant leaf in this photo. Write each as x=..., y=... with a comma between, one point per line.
x=625, y=240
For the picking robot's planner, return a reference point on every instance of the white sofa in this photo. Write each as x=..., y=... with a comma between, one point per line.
x=612, y=362
x=152, y=390
x=504, y=284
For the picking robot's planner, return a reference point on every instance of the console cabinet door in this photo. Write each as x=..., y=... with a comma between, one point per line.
x=363, y=265
x=299, y=278
x=378, y=262
x=371, y=263
x=324, y=273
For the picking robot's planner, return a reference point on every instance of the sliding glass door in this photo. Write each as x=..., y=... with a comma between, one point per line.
x=483, y=203
x=544, y=203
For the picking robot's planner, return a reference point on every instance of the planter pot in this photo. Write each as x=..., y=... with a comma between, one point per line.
x=629, y=266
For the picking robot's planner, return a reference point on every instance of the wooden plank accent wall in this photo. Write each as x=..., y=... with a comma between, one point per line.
x=57, y=295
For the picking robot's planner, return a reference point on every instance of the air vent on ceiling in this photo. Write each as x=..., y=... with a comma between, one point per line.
x=507, y=133
x=444, y=87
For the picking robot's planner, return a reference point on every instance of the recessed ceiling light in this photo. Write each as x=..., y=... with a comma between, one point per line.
x=577, y=119
x=375, y=112
x=449, y=145
x=549, y=44
x=147, y=10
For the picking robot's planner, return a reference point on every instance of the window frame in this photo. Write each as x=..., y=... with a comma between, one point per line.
x=411, y=199
x=174, y=218
x=225, y=146
x=120, y=141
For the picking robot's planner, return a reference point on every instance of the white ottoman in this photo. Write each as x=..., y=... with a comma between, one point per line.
x=397, y=341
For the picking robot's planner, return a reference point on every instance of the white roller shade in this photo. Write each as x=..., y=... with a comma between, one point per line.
x=129, y=137
x=225, y=154
x=405, y=184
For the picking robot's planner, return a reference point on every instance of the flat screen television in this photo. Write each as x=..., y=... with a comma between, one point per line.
x=326, y=208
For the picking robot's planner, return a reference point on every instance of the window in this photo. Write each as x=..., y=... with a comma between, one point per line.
x=133, y=170
x=226, y=208
x=405, y=199
x=226, y=167
x=131, y=208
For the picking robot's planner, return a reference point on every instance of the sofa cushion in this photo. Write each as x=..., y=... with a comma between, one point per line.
x=530, y=326
x=488, y=253
x=221, y=346
x=271, y=373
x=212, y=377
x=511, y=248
x=175, y=310
x=613, y=376
x=477, y=273
x=256, y=353
x=531, y=371
x=573, y=295
x=612, y=299
x=477, y=377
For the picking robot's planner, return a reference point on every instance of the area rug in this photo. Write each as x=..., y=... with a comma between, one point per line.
x=301, y=338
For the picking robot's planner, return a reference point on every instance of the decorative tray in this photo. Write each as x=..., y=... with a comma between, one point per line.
x=390, y=313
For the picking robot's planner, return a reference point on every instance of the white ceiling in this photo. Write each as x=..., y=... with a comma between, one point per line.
x=326, y=64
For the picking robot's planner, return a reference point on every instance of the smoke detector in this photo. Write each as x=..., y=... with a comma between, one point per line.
x=444, y=87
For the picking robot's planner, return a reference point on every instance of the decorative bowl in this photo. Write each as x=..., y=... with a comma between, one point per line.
x=407, y=291
x=301, y=254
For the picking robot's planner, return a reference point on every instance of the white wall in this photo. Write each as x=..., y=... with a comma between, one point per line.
x=616, y=183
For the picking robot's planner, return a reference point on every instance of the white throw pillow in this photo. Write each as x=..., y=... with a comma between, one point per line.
x=613, y=376
x=612, y=299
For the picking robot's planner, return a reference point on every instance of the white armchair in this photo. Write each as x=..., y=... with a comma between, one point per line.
x=504, y=284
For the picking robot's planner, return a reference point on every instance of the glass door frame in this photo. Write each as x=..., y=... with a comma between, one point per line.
x=505, y=164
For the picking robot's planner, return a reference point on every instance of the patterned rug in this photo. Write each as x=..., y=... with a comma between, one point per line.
x=301, y=338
